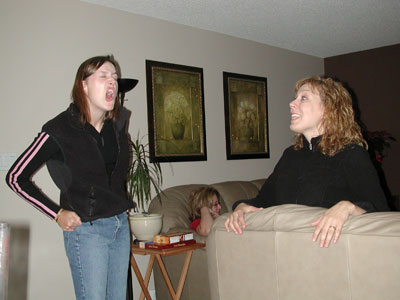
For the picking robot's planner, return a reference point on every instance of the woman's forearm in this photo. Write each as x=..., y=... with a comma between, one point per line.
x=205, y=222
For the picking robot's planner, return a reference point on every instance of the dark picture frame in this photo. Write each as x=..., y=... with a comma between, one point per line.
x=175, y=107
x=246, y=116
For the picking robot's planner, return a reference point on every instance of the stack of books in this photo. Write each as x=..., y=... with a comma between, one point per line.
x=169, y=240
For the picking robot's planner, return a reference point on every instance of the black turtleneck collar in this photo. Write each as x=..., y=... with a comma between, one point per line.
x=314, y=142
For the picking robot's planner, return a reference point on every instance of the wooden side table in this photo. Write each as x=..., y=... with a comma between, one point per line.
x=157, y=254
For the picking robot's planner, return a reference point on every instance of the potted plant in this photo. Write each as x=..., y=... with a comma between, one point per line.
x=143, y=176
x=379, y=142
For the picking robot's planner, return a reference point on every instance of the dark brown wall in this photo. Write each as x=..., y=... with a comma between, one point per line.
x=374, y=78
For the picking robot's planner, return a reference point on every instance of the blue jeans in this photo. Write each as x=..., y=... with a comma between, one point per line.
x=98, y=255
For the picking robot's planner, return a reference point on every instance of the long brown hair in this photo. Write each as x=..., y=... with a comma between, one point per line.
x=201, y=197
x=340, y=127
x=78, y=96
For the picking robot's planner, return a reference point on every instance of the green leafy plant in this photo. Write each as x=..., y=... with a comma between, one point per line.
x=143, y=176
x=380, y=141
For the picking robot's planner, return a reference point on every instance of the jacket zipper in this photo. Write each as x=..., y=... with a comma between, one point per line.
x=118, y=155
x=101, y=156
x=92, y=201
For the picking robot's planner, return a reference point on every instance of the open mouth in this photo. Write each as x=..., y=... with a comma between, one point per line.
x=294, y=116
x=110, y=94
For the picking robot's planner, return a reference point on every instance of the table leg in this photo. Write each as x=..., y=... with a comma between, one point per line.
x=139, y=277
x=165, y=275
x=175, y=295
x=183, y=275
x=147, y=276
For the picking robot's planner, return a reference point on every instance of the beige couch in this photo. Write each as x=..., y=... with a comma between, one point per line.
x=174, y=207
x=275, y=258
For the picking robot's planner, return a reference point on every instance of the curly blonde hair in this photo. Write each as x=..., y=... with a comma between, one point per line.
x=340, y=127
x=201, y=197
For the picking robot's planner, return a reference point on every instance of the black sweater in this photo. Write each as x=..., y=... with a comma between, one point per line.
x=310, y=178
x=89, y=167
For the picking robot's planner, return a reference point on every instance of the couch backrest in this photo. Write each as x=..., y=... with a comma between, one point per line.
x=276, y=256
x=174, y=200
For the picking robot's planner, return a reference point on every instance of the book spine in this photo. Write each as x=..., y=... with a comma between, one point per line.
x=169, y=246
x=171, y=239
x=143, y=244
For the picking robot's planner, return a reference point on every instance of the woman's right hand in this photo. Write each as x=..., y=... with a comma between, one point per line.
x=235, y=221
x=68, y=220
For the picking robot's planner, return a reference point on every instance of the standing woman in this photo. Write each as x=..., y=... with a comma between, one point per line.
x=86, y=152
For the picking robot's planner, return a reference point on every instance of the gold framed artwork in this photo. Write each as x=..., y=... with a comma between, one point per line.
x=246, y=116
x=175, y=101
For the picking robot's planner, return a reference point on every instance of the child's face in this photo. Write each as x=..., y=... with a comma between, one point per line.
x=215, y=205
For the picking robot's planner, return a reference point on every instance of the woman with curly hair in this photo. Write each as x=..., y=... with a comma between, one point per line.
x=328, y=165
x=205, y=207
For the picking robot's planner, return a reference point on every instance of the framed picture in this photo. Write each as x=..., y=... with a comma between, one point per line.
x=246, y=117
x=175, y=100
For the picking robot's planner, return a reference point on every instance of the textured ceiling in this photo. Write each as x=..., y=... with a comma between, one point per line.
x=321, y=28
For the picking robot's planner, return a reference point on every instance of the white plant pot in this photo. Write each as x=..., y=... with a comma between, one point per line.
x=145, y=226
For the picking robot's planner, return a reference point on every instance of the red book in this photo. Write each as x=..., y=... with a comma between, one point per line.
x=168, y=246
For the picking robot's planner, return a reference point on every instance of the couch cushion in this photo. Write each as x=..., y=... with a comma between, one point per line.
x=258, y=183
x=232, y=191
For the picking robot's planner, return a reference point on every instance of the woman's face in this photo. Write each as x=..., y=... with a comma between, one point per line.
x=215, y=205
x=306, y=112
x=101, y=89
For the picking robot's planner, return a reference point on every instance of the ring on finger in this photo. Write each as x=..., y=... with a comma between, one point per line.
x=333, y=226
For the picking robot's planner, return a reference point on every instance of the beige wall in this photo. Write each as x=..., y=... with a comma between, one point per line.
x=42, y=44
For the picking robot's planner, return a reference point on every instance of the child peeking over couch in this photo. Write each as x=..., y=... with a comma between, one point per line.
x=205, y=207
